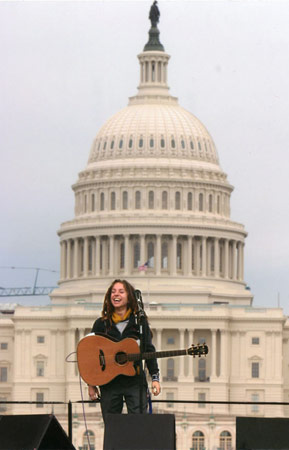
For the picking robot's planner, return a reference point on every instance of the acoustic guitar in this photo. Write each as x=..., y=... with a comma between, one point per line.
x=100, y=359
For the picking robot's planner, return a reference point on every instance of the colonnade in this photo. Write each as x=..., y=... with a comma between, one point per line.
x=164, y=255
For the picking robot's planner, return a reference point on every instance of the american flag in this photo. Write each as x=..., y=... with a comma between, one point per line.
x=143, y=266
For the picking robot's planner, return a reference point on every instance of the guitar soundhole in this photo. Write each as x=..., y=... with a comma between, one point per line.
x=121, y=358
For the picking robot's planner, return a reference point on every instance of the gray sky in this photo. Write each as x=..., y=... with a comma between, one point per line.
x=66, y=67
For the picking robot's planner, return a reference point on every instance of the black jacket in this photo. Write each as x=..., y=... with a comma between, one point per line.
x=131, y=331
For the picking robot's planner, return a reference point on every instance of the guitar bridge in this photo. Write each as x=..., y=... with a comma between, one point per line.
x=101, y=360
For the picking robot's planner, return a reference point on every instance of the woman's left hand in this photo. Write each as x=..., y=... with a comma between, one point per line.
x=156, y=387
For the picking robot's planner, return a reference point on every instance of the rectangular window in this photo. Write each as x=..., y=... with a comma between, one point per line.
x=255, y=398
x=201, y=398
x=255, y=370
x=171, y=340
x=255, y=341
x=3, y=406
x=39, y=398
x=3, y=374
x=4, y=346
x=40, y=339
x=170, y=396
x=40, y=369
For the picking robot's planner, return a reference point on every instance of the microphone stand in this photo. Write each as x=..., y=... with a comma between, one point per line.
x=140, y=317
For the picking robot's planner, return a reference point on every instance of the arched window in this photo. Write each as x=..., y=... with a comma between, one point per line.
x=88, y=440
x=112, y=200
x=170, y=369
x=124, y=200
x=210, y=203
x=173, y=143
x=201, y=202
x=130, y=143
x=164, y=256
x=121, y=255
x=112, y=145
x=138, y=200
x=163, y=143
x=179, y=256
x=164, y=200
x=151, y=143
x=92, y=202
x=120, y=143
x=198, y=440
x=190, y=201
x=136, y=255
x=183, y=144
x=151, y=254
x=225, y=440
x=102, y=201
x=151, y=199
x=177, y=200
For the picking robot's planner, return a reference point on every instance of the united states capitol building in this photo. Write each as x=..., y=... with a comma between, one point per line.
x=152, y=206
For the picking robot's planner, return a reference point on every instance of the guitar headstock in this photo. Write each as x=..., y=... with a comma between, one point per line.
x=198, y=350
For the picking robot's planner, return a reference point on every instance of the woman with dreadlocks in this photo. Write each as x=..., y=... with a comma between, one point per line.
x=118, y=321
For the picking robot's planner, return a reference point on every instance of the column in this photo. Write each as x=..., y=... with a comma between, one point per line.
x=213, y=353
x=62, y=260
x=191, y=359
x=142, y=253
x=127, y=255
x=182, y=359
x=204, y=256
x=242, y=359
x=104, y=255
x=189, y=256
x=174, y=256
x=97, y=256
x=75, y=256
x=70, y=347
x=224, y=353
x=111, y=256
x=217, y=257
x=85, y=257
x=226, y=256
x=68, y=259
x=158, y=255
x=234, y=260
x=197, y=258
x=240, y=260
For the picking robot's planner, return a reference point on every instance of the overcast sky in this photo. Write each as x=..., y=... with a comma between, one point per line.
x=66, y=67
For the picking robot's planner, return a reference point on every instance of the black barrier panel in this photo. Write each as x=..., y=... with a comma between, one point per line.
x=260, y=433
x=37, y=432
x=139, y=432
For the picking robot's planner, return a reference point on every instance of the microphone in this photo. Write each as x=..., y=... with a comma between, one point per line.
x=138, y=297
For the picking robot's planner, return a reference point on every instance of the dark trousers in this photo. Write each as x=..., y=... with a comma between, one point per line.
x=123, y=389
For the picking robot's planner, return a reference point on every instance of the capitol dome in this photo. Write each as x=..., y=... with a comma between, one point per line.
x=152, y=204
x=160, y=129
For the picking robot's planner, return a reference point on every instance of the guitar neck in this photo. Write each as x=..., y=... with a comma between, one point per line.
x=152, y=355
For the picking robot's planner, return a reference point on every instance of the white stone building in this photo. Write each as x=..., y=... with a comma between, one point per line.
x=153, y=193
